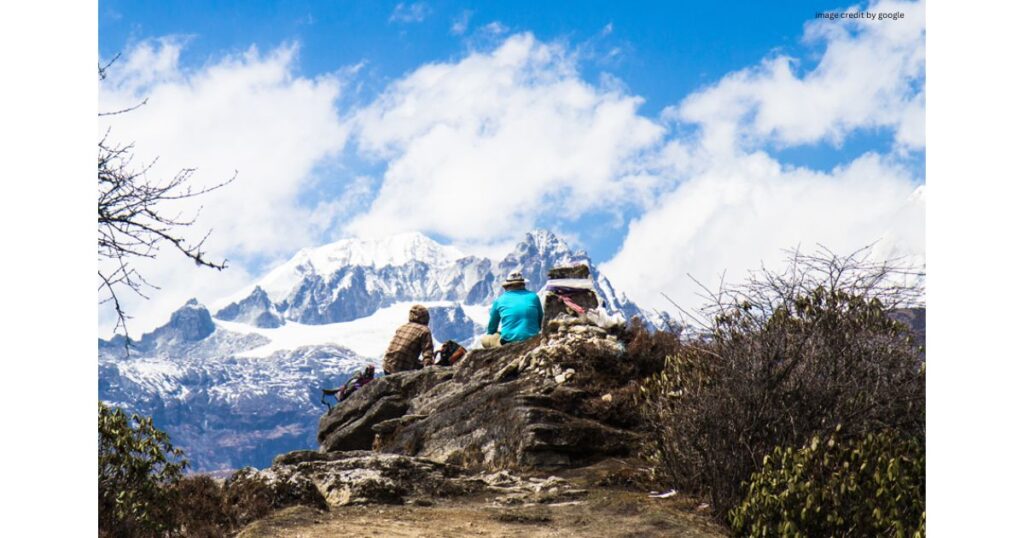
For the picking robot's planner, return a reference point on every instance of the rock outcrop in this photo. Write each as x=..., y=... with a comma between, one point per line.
x=535, y=404
x=256, y=310
x=325, y=481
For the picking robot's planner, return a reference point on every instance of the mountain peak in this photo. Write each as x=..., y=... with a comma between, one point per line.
x=190, y=323
x=256, y=310
x=396, y=250
x=324, y=261
x=544, y=243
x=353, y=278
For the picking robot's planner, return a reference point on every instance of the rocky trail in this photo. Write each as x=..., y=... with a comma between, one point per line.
x=582, y=502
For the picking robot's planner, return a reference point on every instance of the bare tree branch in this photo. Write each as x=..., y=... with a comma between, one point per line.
x=132, y=219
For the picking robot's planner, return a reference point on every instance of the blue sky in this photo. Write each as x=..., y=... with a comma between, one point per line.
x=663, y=50
x=794, y=99
x=668, y=48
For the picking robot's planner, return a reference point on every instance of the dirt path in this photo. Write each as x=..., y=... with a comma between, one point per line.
x=604, y=513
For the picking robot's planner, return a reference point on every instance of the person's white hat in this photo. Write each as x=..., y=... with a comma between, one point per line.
x=515, y=278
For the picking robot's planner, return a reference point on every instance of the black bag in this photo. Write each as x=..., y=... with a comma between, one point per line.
x=449, y=354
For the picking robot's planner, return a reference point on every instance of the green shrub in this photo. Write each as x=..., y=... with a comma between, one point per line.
x=137, y=467
x=871, y=487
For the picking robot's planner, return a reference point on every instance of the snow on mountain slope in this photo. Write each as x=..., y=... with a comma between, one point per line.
x=367, y=337
x=238, y=386
x=325, y=260
x=353, y=279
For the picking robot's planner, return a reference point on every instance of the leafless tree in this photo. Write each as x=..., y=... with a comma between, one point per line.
x=134, y=222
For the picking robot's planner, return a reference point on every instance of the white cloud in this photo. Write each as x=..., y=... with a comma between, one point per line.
x=246, y=112
x=406, y=13
x=479, y=149
x=738, y=214
x=864, y=79
x=496, y=140
x=736, y=207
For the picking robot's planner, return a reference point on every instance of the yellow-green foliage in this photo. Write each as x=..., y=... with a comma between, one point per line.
x=137, y=464
x=871, y=487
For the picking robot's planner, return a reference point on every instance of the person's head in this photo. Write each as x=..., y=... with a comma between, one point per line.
x=369, y=371
x=419, y=314
x=515, y=281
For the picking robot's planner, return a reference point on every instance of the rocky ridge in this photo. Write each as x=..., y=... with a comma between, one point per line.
x=502, y=423
x=535, y=404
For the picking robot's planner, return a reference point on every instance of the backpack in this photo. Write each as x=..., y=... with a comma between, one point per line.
x=449, y=354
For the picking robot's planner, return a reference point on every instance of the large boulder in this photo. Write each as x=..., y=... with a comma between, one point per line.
x=522, y=406
x=350, y=426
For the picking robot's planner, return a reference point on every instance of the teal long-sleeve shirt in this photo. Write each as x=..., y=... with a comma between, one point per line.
x=519, y=313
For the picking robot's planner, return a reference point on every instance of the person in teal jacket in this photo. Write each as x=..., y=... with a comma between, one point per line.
x=518, y=311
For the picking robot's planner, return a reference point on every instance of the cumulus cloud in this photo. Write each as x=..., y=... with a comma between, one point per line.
x=480, y=148
x=516, y=131
x=246, y=113
x=735, y=207
x=864, y=79
x=744, y=212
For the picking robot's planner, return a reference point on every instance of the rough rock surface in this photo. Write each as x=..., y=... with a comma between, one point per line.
x=521, y=406
x=256, y=310
x=325, y=481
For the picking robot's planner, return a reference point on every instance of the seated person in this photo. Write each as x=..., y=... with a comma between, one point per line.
x=411, y=342
x=518, y=311
x=357, y=382
x=353, y=384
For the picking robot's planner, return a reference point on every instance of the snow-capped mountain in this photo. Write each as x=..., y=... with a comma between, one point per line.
x=239, y=386
x=226, y=410
x=351, y=279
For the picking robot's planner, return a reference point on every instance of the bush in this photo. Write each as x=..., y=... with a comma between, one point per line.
x=647, y=350
x=200, y=508
x=871, y=487
x=143, y=493
x=137, y=466
x=780, y=359
x=247, y=497
x=600, y=370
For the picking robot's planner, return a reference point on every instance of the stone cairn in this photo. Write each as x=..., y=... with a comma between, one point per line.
x=572, y=282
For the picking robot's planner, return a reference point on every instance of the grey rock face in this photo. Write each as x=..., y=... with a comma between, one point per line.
x=354, y=291
x=225, y=411
x=256, y=310
x=452, y=323
x=350, y=426
x=514, y=407
x=914, y=319
x=359, y=477
x=190, y=323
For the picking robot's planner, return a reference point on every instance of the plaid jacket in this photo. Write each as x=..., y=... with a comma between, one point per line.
x=410, y=341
